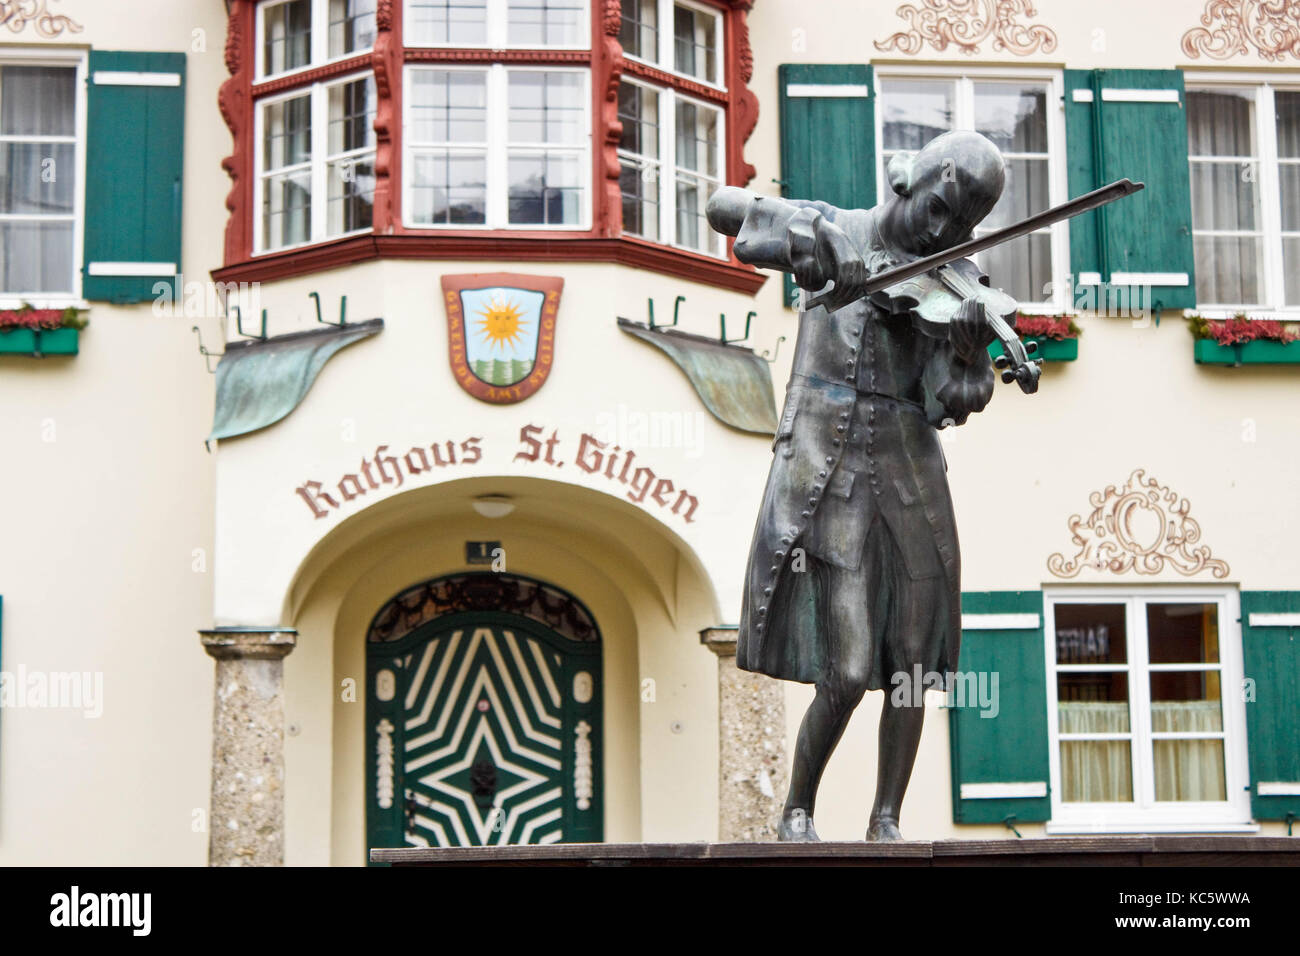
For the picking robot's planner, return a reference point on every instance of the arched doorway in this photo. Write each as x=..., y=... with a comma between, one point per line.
x=483, y=715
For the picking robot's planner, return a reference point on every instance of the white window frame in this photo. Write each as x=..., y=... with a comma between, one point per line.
x=497, y=200
x=666, y=60
x=320, y=41
x=964, y=79
x=320, y=159
x=1144, y=814
x=498, y=31
x=1270, y=195
x=28, y=56
x=667, y=163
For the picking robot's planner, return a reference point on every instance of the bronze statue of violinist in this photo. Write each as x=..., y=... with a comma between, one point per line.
x=854, y=571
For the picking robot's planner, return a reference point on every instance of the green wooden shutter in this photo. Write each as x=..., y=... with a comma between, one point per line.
x=1131, y=123
x=1000, y=764
x=1270, y=637
x=828, y=137
x=134, y=158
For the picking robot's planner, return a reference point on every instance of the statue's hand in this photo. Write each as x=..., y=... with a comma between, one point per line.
x=969, y=332
x=832, y=257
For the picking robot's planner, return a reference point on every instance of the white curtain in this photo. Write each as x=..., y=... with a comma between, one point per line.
x=1094, y=771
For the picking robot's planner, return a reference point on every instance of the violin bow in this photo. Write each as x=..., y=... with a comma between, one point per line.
x=1066, y=210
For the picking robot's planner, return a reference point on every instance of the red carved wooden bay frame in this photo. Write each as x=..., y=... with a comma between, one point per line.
x=604, y=242
x=453, y=286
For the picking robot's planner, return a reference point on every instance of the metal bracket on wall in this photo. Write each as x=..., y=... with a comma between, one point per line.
x=722, y=333
x=239, y=325
x=770, y=356
x=343, y=310
x=1010, y=824
x=203, y=350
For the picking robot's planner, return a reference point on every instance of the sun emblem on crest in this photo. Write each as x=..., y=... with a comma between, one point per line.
x=501, y=322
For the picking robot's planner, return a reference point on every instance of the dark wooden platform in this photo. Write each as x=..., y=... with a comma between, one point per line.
x=1126, y=851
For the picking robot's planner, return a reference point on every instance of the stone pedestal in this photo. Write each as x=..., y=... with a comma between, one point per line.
x=752, y=764
x=246, y=821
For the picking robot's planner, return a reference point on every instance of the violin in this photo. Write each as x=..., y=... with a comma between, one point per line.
x=933, y=298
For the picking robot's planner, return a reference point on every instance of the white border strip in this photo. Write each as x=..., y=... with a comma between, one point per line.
x=1139, y=96
x=129, y=78
x=1081, y=96
x=132, y=269
x=1000, y=791
x=828, y=90
x=1277, y=789
x=1149, y=278
x=1274, y=620
x=999, y=622
x=1089, y=278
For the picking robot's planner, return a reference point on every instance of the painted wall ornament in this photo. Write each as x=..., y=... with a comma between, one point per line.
x=1141, y=526
x=17, y=14
x=501, y=332
x=1233, y=27
x=968, y=23
x=853, y=579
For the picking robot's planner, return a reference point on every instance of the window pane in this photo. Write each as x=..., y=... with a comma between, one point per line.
x=1289, y=177
x=1021, y=267
x=1013, y=116
x=1186, y=702
x=639, y=31
x=1096, y=771
x=545, y=23
x=545, y=189
x=450, y=188
x=1287, y=105
x=286, y=132
x=1091, y=634
x=352, y=115
x=1228, y=270
x=1183, y=633
x=352, y=26
x=697, y=138
x=639, y=184
x=695, y=43
x=351, y=195
x=35, y=256
x=546, y=107
x=916, y=111
x=286, y=209
x=1224, y=195
x=38, y=178
x=448, y=106
x=1220, y=123
x=1189, y=770
x=454, y=22
x=692, y=227
x=638, y=111
x=1291, y=268
x=286, y=37
x=1092, y=702
x=38, y=101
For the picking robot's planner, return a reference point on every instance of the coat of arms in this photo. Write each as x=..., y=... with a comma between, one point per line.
x=501, y=332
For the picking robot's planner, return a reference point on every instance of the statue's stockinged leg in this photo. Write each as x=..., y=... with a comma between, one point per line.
x=900, y=735
x=822, y=727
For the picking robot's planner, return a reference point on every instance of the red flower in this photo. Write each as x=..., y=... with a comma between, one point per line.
x=31, y=319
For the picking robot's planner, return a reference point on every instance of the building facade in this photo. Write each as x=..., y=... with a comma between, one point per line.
x=457, y=477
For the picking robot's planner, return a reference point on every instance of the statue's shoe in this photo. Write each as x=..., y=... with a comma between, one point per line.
x=786, y=832
x=884, y=830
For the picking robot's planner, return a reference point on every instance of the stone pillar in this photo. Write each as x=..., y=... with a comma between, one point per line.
x=246, y=821
x=751, y=746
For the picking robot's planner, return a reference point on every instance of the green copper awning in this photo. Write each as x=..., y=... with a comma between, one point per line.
x=260, y=381
x=734, y=383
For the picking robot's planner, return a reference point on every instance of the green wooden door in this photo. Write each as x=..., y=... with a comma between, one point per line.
x=483, y=728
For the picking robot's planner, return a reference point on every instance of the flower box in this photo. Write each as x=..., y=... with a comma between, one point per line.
x=1259, y=352
x=39, y=342
x=1049, y=350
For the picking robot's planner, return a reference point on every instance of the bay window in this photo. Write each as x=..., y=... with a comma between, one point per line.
x=675, y=36
x=316, y=150
x=296, y=34
x=39, y=179
x=1013, y=113
x=498, y=147
x=1244, y=150
x=1146, y=724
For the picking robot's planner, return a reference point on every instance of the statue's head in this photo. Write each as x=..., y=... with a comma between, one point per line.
x=947, y=188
